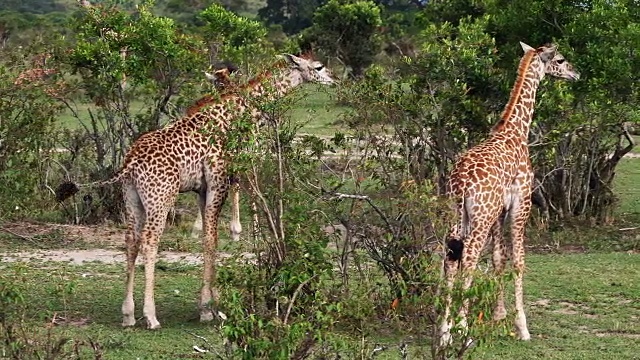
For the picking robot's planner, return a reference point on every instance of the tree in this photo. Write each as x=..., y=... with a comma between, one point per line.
x=348, y=30
x=436, y=103
x=578, y=126
x=27, y=133
x=118, y=56
x=232, y=37
x=293, y=15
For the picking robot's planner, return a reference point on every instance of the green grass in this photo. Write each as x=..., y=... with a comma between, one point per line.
x=627, y=187
x=316, y=111
x=69, y=121
x=580, y=306
x=636, y=149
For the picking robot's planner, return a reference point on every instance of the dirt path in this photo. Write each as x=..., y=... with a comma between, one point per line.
x=105, y=256
x=107, y=240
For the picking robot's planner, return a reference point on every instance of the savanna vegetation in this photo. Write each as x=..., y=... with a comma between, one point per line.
x=342, y=190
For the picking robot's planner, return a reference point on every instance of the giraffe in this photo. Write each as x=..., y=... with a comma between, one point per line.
x=492, y=182
x=221, y=80
x=221, y=77
x=180, y=158
x=39, y=74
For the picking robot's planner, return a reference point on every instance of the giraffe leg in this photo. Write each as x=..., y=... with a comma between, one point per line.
x=235, y=226
x=520, y=215
x=213, y=201
x=152, y=230
x=471, y=255
x=499, y=264
x=135, y=221
x=450, y=271
x=452, y=257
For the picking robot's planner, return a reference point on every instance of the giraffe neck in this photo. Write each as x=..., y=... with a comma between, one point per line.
x=517, y=115
x=274, y=85
x=266, y=86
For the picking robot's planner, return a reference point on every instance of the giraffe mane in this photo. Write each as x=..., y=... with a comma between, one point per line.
x=267, y=74
x=233, y=89
x=201, y=103
x=514, y=97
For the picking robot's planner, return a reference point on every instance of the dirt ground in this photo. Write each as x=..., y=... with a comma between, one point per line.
x=109, y=240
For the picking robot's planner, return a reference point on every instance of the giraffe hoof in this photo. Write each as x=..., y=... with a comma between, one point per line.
x=153, y=325
x=445, y=339
x=128, y=321
x=206, y=316
x=499, y=315
x=525, y=336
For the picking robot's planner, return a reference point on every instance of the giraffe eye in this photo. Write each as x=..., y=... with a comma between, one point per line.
x=561, y=61
x=319, y=67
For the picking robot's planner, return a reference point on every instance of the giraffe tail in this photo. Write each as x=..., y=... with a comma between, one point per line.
x=455, y=245
x=69, y=188
x=454, y=249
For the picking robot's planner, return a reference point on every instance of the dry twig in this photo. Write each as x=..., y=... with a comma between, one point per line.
x=23, y=237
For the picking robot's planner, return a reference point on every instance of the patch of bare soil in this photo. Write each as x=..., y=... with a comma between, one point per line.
x=541, y=303
x=105, y=256
x=623, y=334
x=566, y=308
x=46, y=236
x=39, y=233
x=110, y=256
x=601, y=333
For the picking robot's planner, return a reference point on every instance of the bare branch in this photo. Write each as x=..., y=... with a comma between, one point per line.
x=337, y=195
x=293, y=298
x=629, y=228
x=23, y=237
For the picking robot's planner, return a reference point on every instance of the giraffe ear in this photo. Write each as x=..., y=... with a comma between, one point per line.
x=292, y=59
x=526, y=47
x=548, y=52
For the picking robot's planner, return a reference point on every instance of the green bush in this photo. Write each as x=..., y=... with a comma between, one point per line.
x=27, y=135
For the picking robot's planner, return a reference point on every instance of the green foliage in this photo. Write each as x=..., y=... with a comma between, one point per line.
x=185, y=12
x=20, y=340
x=235, y=31
x=435, y=104
x=283, y=304
x=32, y=6
x=119, y=56
x=157, y=56
x=292, y=297
x=293, y=15
x=233, y=37
x=27, y=132
x=347, y=30
x=22, y=29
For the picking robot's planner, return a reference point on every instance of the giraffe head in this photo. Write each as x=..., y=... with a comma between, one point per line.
x=553, y=62
x=303, y=69
x=221, y=77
